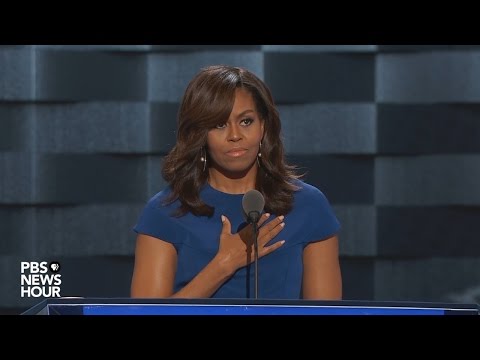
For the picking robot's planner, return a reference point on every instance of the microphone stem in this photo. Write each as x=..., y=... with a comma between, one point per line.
x=255, y=245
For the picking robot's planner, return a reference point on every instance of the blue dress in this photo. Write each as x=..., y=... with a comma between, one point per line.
x=196, y=240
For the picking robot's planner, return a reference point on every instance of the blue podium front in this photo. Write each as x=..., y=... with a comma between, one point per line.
x=192, y=307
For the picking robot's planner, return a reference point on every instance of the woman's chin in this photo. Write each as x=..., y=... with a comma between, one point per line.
x=239, y=170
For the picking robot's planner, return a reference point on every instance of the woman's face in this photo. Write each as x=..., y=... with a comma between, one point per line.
x=234, y=145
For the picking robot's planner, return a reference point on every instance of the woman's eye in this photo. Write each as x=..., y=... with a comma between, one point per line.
x=247, y=121
x=220, y=126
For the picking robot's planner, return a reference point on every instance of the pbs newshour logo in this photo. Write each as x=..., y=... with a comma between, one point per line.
x=40, y=279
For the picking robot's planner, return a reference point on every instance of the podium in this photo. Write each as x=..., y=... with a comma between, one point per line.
x=233, y=307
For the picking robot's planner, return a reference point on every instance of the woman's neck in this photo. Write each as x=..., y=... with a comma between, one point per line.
x=231, y=185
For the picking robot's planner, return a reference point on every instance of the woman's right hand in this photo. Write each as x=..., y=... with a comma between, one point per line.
x=236, y=250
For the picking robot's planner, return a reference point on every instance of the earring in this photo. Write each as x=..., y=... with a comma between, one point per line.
x=259, y=155
x=203, y=157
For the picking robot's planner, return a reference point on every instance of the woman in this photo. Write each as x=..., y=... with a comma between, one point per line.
x=193, y=240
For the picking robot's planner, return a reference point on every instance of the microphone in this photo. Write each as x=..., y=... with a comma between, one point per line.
x=253, y=203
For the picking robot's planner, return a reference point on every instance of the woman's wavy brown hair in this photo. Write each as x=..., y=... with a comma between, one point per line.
x=208, y=101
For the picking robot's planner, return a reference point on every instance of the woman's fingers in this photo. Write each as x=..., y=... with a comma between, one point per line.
x=226, y=226
x=268, y=249
x=270, y=230
x=263, y=218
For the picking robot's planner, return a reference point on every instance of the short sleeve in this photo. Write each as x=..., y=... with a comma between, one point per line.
x=155, y=221
x=323, y=220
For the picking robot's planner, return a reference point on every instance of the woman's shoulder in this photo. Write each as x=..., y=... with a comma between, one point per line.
x=156, y=218
x=158, y=201
x=308, y=193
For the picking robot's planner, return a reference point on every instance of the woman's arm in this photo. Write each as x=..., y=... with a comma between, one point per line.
x=322, y=279
x=156, y=262
x=155, y=268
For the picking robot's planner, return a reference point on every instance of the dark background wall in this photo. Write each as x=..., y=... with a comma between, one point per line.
x=389, y=133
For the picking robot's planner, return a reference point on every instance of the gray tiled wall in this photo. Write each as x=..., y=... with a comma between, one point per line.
x=389, y=133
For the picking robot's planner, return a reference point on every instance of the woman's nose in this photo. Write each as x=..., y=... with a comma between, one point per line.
x=234, y=133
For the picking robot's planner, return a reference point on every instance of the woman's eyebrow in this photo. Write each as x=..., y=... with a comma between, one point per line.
x=245, y=112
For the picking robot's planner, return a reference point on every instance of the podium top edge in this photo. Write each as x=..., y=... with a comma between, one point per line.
x=246, y=302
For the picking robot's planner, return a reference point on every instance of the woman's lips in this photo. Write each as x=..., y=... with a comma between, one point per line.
x=236, y=152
